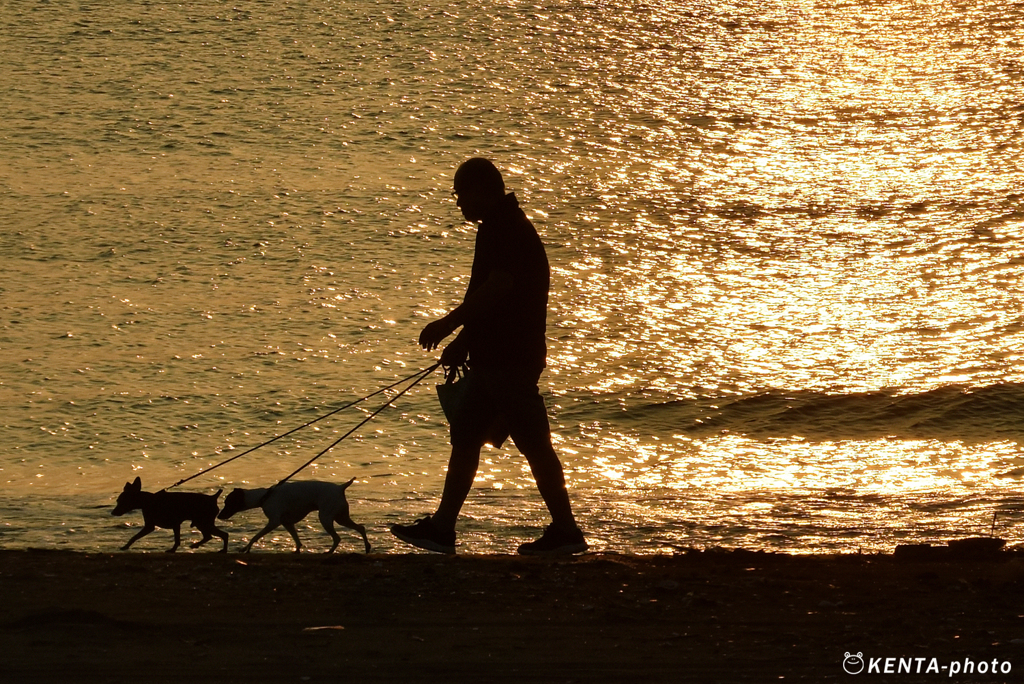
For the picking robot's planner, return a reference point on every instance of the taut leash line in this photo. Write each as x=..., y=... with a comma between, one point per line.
x=419, y=376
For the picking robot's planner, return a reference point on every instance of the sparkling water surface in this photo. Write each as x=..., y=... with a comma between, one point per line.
x=787, y=304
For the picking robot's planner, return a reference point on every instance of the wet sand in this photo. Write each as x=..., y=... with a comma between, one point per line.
x=712, y=616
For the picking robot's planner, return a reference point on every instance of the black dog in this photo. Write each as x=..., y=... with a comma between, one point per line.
x=169, y=510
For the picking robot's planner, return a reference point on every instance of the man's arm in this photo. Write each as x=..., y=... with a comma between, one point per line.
x=484, y=298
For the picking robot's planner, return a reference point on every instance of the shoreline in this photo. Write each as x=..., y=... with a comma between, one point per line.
x=699, y=616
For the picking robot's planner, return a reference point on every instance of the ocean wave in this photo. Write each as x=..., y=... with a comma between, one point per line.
x=969, y=414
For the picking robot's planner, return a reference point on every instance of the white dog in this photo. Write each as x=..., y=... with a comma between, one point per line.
x=288, y=503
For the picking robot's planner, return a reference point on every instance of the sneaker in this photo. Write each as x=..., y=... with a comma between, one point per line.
x=424, y=535
x=556, y=541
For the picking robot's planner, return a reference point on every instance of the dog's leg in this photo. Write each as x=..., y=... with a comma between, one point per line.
x=209, y=529
x=223, y=535
x=177, y=539
x=142, y=533
x=328, y=522
x=295, y=535
x=259, y=535
x=344, y=520
x=207, y=536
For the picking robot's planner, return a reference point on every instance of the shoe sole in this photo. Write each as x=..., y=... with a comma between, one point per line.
x=425, y=544
x=564, y=550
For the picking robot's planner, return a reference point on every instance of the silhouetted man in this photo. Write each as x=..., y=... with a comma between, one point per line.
x=503, y=317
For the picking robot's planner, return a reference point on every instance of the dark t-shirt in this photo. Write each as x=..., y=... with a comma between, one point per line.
x=512, y=332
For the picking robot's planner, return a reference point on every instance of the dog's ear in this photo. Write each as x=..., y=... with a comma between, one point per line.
x=137, y=484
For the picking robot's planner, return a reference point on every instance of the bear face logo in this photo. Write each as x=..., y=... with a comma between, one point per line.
x=854, y=663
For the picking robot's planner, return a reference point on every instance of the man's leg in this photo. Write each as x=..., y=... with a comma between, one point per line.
x=437, y=532
x=462, y=467
x=530, y=430
x=563, y=535
x=536, y=446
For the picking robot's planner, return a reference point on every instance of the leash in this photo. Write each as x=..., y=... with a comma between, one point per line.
x=419, y=378
x=418, y=375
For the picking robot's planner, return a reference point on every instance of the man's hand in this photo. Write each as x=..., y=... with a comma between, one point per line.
x=434, y=332
x=455, y=353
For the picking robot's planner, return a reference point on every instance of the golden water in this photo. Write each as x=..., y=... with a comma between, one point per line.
x=785, y=237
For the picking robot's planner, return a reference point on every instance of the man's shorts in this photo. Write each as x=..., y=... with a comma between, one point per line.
x=502, y=402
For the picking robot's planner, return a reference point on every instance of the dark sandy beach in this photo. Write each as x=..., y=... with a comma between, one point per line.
x=702, y=616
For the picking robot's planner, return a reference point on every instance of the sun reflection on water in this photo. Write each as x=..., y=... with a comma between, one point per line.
x=776, y=200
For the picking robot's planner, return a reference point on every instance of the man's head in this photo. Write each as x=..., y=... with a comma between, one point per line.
x=479, y=187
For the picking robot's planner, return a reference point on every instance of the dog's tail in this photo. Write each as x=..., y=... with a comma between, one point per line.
x=217, y=495
x=346, y=485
